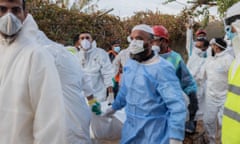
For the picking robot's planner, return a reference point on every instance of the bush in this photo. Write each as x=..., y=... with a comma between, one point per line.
x=62, y=25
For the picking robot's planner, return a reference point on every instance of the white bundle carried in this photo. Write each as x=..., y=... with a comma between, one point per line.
x=107, y=128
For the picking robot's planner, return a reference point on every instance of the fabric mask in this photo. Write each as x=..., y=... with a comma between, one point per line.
x=136, y=46
x=10, y=24
x=156, y=49
x=85, y=44
x=117, y=49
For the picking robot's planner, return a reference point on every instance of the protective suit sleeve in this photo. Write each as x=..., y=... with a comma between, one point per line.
x=120, y=100
x=187, y=81
x=202, y=75
x=171, y=93
x=189, y=41
x=87, y=86
x=46, y=100
x=106, y=69
x=227, y=63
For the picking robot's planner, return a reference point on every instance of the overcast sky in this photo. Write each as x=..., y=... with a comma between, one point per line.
x=124, y=8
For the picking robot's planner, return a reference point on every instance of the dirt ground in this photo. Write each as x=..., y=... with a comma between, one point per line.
x=200, y=137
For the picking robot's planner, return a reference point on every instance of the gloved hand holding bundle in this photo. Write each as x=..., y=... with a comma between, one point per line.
x=95, y=106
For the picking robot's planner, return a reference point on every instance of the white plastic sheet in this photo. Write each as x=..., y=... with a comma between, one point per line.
x=107, y=128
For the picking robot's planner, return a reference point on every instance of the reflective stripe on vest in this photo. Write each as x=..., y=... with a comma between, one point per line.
x=232, y=114
x=234, y=89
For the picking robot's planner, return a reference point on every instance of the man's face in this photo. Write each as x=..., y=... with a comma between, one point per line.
x=141, y=35
x=13, y=6
x=200, y=45
x=162, y=43
x=86, y=36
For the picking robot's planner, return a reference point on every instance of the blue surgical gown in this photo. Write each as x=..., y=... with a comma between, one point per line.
x=153, y=101
x=187, y=81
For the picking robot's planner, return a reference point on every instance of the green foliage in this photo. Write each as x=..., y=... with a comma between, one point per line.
x=174, y=24
x=223, y=5
x=62, y=25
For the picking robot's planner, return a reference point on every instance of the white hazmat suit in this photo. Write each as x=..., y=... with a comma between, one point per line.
x=121, y=59
x=96, y=64
x=31, y=101
x=216, y=71
x=73, y=83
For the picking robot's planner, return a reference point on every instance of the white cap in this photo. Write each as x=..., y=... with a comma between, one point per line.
x=143, y=27
x=233, y=10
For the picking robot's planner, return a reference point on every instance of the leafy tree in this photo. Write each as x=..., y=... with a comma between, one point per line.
x=222, y=5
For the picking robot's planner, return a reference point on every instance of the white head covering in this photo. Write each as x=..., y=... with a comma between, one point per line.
x=143, y=27
x=213, y=41
x=233, y=10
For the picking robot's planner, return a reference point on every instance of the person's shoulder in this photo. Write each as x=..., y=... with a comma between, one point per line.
x=228, y=56
x=176, y=54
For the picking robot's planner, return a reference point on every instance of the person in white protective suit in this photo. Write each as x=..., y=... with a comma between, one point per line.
x=216, y=71
x=231, y=114
x=73, y=82
x=31, y=101
x=197, y=53
x=151, y=94
x=95, y=63
x=121, y=59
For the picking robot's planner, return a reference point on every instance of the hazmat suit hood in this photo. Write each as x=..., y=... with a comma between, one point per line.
x=32, y=27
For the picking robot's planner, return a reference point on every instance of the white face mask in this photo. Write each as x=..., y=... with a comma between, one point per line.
x=200, y=52
x=136, y=46
x=85, y=44
x=156, y=49
x=10, y=24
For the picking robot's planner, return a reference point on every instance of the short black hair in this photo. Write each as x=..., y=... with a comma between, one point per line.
x=85, y=32
x=115, y=42
x=221, y=42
